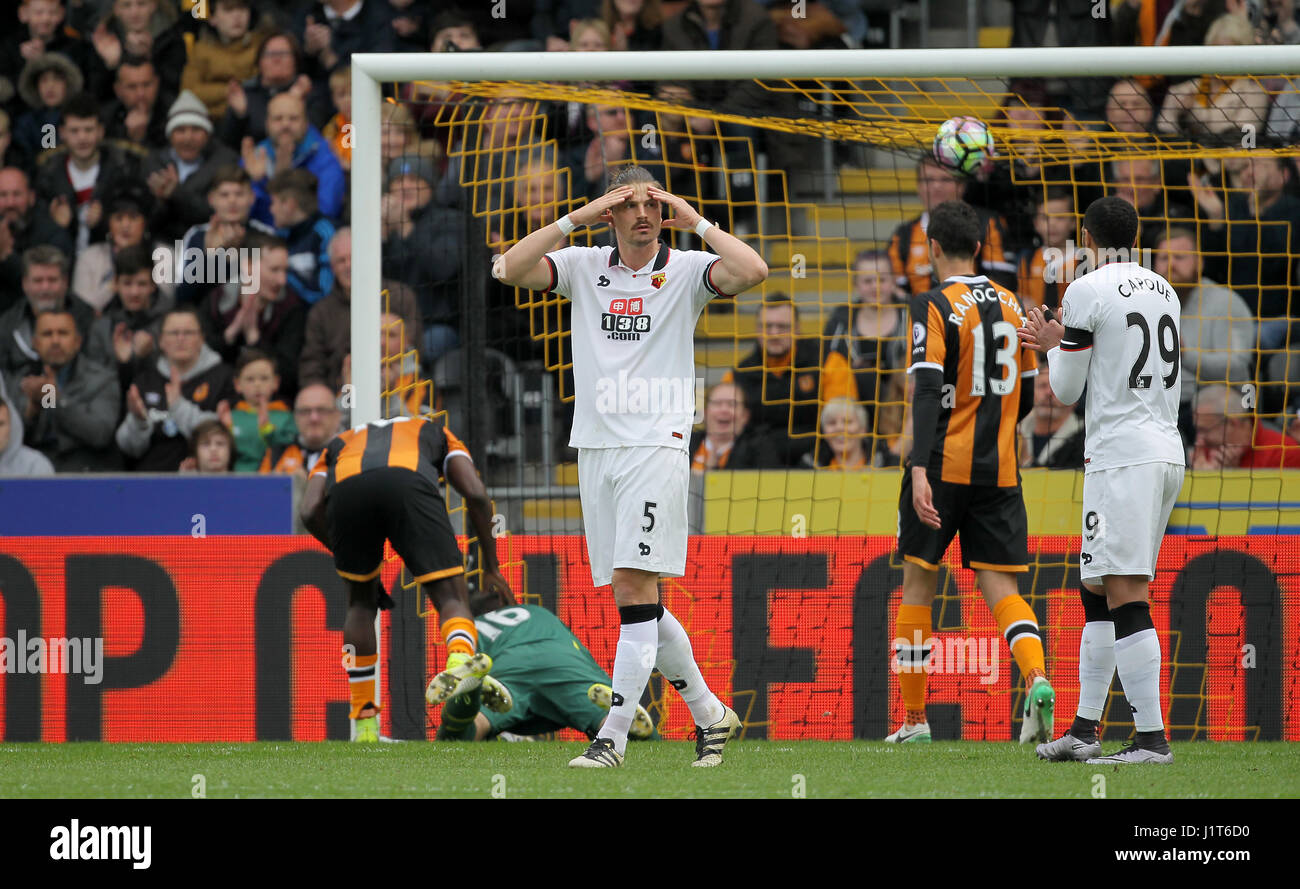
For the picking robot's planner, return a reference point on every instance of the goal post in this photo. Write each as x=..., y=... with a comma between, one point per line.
x=871, y=115
x=370, y=70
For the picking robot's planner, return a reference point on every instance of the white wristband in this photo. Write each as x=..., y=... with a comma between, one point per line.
x=566, y=225
x=702, y=226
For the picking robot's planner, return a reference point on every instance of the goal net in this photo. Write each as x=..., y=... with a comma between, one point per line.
x=825, y=167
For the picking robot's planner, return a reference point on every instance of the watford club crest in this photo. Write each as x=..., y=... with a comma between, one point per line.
x=657, y=279
x=200, y=393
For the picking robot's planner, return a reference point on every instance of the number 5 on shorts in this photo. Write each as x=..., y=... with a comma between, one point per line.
x=649, y=505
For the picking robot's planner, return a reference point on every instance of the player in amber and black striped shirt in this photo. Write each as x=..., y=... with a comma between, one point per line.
x=380, y=482
x=964, y=477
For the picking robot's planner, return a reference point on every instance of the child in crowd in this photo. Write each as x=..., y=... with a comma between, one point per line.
x=258, y=421
x=211, y=448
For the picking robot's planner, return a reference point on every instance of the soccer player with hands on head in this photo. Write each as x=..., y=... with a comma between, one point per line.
x=635, y=308
x=1119, y=335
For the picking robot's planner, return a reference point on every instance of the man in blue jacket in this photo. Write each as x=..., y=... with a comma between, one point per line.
x=292, y=143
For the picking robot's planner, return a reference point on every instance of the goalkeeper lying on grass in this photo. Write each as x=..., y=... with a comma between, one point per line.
x=543, y=679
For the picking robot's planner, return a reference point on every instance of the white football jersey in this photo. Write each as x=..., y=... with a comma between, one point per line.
x=633, y=335
x=1129, y=317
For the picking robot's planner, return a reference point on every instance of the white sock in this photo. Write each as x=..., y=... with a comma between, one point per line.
x=1137, y=660
x=1096, y=667
x=677, y=662
x=634, y=658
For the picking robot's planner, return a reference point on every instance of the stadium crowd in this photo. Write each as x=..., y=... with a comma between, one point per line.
x=146, y=150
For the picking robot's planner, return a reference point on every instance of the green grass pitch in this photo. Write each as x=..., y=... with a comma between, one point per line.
x=777, y=769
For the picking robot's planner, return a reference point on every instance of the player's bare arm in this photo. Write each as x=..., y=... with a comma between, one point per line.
x=741, y=267
x=523, y=266
x=923, y=498
x=312, y=509
x=462, y=476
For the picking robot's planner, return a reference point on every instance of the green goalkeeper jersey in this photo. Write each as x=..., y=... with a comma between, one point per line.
x=546, y=669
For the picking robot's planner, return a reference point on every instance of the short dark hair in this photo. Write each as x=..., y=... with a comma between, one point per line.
x=260, y=240
x=956, y=226
x=451, y=18
x=230, y=173
x=207, y=428
x=251, y=354
x=1112, y=222
x=298, y=184
x=778, y=300
x=133, y=260
x=63, y=311
x=192, y=311
x=1168, y=233
x=132, y=61
x=45, y=254
x=82, y=105
x=632, y=175
x=1054, y=193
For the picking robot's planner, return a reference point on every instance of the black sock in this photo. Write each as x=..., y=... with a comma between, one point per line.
x=1154, y=741
x=1085, y=729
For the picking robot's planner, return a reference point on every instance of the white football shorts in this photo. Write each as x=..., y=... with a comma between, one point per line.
x=634, y=509
x=1125, y=512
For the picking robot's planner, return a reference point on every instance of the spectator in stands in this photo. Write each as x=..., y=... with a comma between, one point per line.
x=421, y=248
x=180, y=175
x=1137, y=22
x=305, y=230
x=1279, y=23
x=737, y=25
x=1211, y=109
x=399, y=137
x=872, y=334
x=230, y=196
x=332, y=30
x=225, y=51
x=329, y=324
x=92, y=275
x=1217, y=328
x=909, y=253
x=787, y=378
x=1048, y=269
x=1129, y=108
x=338, y=132
x=211, y=448
x=45, y=286
x=843, y=440
x=271, y=317
x=172, y=395
x=452, y=28
x=292, y=143
x=10, y=155
x=727, y=441
x=1052, y=435
x=551, y=21
x=142, y=29
x=1141, y=183
x=634, y=25
x=404, y=393
x=1260, y=231
x=610, y=147
x=317, y=416
x=16, y=459
x=23, y=224
x=1228, y=436
x=69, y=403
x=139, y=114
x=133, y=318
x=42, y=30
x=75, y=176
x=279, y=69
x=259, y=419
x=45, y=86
